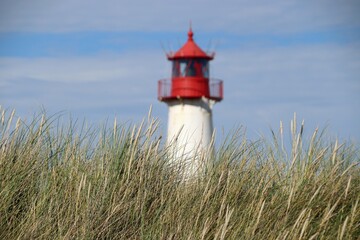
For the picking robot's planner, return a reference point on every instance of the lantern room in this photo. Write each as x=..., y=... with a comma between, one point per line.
x=190, y=75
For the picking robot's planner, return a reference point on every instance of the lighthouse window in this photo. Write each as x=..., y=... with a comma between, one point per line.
x=205, y=68
x=176, y=69
x=183, y=68
x=191, y=68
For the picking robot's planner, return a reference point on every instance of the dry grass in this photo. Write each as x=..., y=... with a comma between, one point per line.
x=60, y=182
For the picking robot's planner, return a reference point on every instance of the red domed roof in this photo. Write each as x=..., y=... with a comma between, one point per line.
x=190, y=50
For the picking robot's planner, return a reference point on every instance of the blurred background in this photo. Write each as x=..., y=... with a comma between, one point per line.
x=97, y=60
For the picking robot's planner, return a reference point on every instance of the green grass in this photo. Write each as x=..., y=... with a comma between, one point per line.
x=59, y=182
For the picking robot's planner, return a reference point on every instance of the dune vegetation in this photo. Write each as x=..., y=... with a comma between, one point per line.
x=66, y=181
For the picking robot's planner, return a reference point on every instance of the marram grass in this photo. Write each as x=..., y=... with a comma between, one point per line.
x=60, y=182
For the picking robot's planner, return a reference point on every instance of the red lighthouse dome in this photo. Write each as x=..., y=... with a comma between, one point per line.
x=190, y=75
x=190, y=50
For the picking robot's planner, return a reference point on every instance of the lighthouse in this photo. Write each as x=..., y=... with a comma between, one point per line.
x=190, y=95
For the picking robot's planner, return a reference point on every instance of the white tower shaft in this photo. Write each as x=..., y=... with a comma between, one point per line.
x=190, y=130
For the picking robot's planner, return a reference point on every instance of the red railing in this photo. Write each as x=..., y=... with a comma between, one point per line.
x=216, y=90
x=164, y=89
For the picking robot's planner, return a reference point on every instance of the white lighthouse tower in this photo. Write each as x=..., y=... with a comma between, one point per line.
x=190, y=95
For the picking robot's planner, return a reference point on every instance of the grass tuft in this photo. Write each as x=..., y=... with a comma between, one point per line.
x=71, y=182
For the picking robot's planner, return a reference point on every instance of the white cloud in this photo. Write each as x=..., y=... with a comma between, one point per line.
x=162, y=15
x=264, y=86
x=85, y=69
x=93, y=87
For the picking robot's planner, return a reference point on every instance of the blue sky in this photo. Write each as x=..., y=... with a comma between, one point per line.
x=101, y=59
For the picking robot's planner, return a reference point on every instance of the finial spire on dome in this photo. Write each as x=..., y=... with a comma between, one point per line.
x=190, y=33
